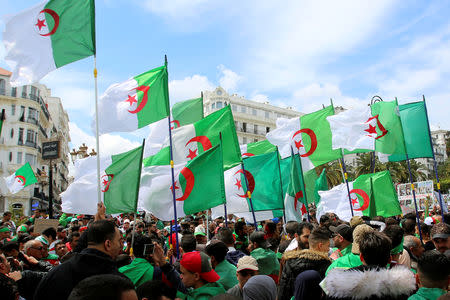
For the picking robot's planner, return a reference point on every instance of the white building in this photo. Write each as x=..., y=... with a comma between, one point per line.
x=439, y=138
x=32, y=116
x=252, y=119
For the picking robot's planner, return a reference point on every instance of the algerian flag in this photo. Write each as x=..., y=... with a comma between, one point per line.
x=415, y=131
x=199, y=184
x=321, y=184
x=309, y=135
x=135, y=103
x=48, y=36
x=257, y=148
x=371, y=195
x=120, y=183
x=191, y=140
x=23, y=177
x=295, y=204
x=187, y=112
x=263, y=177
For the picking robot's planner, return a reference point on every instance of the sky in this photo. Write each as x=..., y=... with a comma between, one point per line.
x=290, y=53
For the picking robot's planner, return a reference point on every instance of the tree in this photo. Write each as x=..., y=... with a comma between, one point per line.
x=364, y=164
x=399, y=171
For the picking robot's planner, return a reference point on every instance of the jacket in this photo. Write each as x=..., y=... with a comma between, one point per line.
x=233, y=256
x=297, y=261
x=205, y=292
x=227, y=273
x=347, y=261
x=369, y=283
x=427, y=294
x=60, y=281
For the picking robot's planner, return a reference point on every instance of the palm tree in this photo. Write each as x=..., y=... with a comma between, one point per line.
x=333, y=172
x=400, y=173
x=364, y=164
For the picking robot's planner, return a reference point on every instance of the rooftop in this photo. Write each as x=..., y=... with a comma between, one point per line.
x=5, y=72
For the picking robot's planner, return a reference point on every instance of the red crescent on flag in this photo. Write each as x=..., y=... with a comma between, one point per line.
x=383, y=130
x=313, y=138
x=247, y=154
x=175, y=122
x=202, y=139
x=22, y=179
x=298, y=195
x=142, y=88
x=250, y=180
x=190, y=181
x=55, y=18
x=365, y=197
x=107, y=178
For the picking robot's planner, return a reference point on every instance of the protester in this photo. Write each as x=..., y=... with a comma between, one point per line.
x=247, y=267
x=104, y=287
x=35, y=252
x=226, y=236
x=266, y=258
x=302, y=233
x=72, y=240
x=7, y=219
x=155, y=290
x=440, y=233
x=60, y=249
x=395, y=233
x=343, y=238
x=414, y=248
x=307, y=286
x=227, y=272
x=297, y=261
x=259, y=287
x=240, y=233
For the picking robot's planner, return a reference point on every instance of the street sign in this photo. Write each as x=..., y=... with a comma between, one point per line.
x=50, y=150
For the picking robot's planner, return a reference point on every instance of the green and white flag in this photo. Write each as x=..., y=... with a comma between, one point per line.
x=48, y=36
x=20, y=179
x=264, y=183
x=187, y=112
x=321, y=184
x=295, y=201
x=120, y=183
x=257, y=148
x=371, y=195
x=309, y=135
x=199, y=184
x=135, y=103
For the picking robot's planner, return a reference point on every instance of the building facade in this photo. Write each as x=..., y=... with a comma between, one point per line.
x=32, y=116
x=253, y=120
x=439, y=138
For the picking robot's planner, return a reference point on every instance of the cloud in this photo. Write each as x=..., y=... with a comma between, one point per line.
x=260, y=98
x=189, y=87
x=229, y=79
x=176, y=9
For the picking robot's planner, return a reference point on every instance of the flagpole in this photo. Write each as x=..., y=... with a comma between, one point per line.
x=225, y=204
x=132, y=236
x=249, y=196
x=173, y=181
x=344, y=169
x=207, y=225
x=438, y=183
x=411, y=181
x=99, y=195
x=281, y=186
x=303, y=179
x=137, y=197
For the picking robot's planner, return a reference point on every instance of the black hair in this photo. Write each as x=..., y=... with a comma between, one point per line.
x=446, y=218
x=434, y=266
x=425, y=228
x=123, y=260
x=302, y=225
x=409, y=226
x=10, y=246
x=410, y=216
x=101, y=287
x=23, y=238
x=283, y=245
x=75, y=228
x=100, y=231
x=82, y=242
x=379, y=219
x=225, y=235
x=319, y=234
x=60, y=229
x=218, y=250
x=324, y=219
x=188, y=243
x=391, y=221
x=291, y=227
x=7, y=213
x=140, y=240
x=8, y=289
x=239, y=226
x=154, y=290
x=375, y=248
x=50, y=232
x=28, y=223
x=395, y=233
x=72, y=235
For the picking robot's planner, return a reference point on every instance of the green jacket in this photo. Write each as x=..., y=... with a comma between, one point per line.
x=345, y=262
x=203, y=293
x=268, y=263
x=139, y=271
x=427, y=294
x=227, y=273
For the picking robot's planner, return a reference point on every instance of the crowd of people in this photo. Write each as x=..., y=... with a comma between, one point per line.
x=136, y=257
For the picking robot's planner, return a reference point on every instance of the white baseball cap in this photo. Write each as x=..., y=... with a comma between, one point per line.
x=247, y=263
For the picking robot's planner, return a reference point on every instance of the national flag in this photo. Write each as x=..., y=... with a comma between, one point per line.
x=120, y=183
x=321, y=184
x=262, y=174
x=295, y=204
x=23, y=177
x=371, y=195
x=191, y=140
x=48, y=36
x=415, y=131
x=135, y=103
x=187, y=112
x=257, y=148
x=309, y=135
x=199, y=184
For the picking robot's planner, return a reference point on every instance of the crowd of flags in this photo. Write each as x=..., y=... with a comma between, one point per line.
x=191, y=163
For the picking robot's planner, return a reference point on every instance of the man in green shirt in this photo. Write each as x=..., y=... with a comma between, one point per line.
x=342, y=240
x=433, y=276
x=227, y=271
x=267, y=259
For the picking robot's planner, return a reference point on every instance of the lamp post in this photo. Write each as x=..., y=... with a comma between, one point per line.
x=81, y=153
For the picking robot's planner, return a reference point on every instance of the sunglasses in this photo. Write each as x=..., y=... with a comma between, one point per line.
x=38, y=248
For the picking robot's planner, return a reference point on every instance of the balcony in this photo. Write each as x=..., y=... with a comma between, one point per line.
x=44, y=108
x=28, y=144
x=24, y=95
x=43, y=131
x=32, y=121
x=3, y=92
x=34, y=97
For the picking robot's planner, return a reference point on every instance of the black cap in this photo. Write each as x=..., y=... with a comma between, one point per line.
x=344, y=230
x=258, y=237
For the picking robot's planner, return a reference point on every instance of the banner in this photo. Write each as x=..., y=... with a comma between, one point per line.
x=424, y=195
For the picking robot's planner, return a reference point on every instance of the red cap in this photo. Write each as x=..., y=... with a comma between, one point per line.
x=198, y=262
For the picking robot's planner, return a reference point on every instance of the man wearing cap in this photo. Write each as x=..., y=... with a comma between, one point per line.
x=5, y=233
x=198, y=274
x=440, y=233
x=200, y=237
x=247, y=267
x=267, y=259
x=343, y=238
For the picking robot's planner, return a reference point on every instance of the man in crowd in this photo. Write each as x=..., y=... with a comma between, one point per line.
x=5, y=233
x=267, y=260
x=103, y=287
x=246, y=268
x=225, y=235
x=295, y=262
x=226, y=271
x=343, y=238
x=240, y=234
x=60, y=249
x=7, y=219
x=72, y=240
x=414, y=248
x=440, y=233
x=302, y=233
x=35, y=249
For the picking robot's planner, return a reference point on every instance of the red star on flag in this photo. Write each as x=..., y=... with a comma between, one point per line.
x=192, y=154
x=298, y=144
x=355, y=201
x=131, y=99
x=105, y=182
x=238, y=184
x=303, y=209
x=40, y=24
x=371, y=129
x=176, y=187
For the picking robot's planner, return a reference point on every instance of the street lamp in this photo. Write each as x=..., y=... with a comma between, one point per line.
x=81, y=153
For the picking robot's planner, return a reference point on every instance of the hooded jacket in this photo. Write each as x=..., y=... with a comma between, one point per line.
x=297, y=261
x=205, y=292
x=60, y=281
x=369, y=283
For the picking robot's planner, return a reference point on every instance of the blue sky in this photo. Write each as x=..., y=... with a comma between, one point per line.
x=291, y=53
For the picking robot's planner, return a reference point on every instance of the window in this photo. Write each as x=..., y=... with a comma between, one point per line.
x=244, y=127
x=219, y=104
x=243, y=109
x=30, y=158
x=33, y=93
x=2, y=87
x=213, y=106
x=14, y=92
x=24, y=91
x=10, y=156
x=32, y=115
x=31, y=137
x=233, y=107
x=255, y=129
x=267, y=129
x=254, y=112
x=12, y=132
x=13, y=109
x=19, y=158
x=267, y=114
x=244, y=140
x=20, y=136
x=22, y=113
